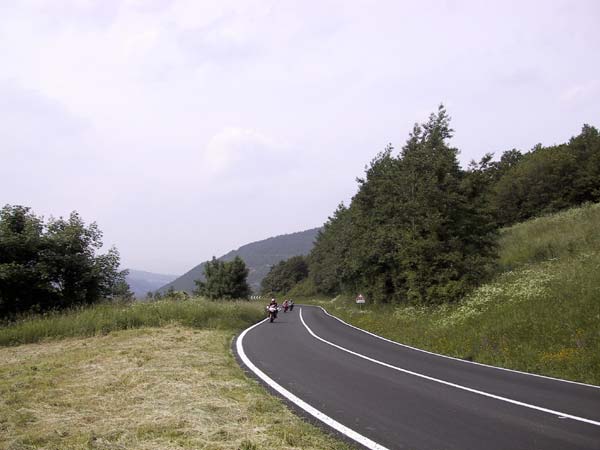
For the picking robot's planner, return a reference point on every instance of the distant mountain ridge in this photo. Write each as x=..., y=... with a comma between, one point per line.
x=259, y=257
x=141, y=282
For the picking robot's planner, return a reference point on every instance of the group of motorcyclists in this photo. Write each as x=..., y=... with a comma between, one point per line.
x=273, y=308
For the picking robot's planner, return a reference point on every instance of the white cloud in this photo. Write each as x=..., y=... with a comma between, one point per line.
x=580, y=91
x=235, y=147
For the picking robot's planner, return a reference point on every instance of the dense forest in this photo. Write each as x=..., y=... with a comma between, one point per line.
x=423, y=230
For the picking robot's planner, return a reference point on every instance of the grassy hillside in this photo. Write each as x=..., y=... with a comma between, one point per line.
x=149, y=376
x=259, y=258
x=540, y=314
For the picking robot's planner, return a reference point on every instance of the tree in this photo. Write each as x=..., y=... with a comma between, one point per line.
x=412, y=232
x=548, y=179
x=24, y=281
x=224, y=280
x=53, y=265
x=285, y=275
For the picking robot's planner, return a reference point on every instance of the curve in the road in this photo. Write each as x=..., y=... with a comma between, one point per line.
x=559, y=414
x=360, y=385
x=348, y=432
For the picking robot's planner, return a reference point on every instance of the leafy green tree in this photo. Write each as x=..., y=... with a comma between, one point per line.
x=412, y=232
x=224, y=280
x=24, y=280
x=53, y=265
x=586, y=147
x=547, y=179
x=236, y=277
x=79, y=274
x=330, y=266
x=285, y=275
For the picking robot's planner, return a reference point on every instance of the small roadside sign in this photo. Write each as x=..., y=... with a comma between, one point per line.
x=360, y=299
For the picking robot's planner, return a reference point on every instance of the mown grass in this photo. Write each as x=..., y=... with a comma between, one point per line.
x=173, y=387
x=540, y=314
x=106, y=317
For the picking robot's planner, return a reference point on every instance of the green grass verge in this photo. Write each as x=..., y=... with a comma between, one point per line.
x=106, y=317
x=567, y=234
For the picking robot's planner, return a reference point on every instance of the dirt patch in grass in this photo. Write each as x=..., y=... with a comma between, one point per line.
x=166, y=388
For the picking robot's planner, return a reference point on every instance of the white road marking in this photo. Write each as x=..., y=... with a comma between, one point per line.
x=457, y=359
x=363, y=440
x=447, y=383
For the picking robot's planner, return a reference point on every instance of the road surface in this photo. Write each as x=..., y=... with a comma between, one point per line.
x=382, y=395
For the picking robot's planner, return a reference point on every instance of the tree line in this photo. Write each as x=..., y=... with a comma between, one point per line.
x=422, y=230
x=54, y=264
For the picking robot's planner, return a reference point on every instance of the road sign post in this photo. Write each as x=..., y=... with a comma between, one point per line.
x=360, y=300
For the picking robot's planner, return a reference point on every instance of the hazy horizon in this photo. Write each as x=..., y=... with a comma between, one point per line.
x=188, y=129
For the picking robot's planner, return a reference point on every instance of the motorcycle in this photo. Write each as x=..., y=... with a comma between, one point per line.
x=272, y=309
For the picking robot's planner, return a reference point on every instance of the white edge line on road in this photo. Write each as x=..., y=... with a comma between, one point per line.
x=447, y=383
x=458, y=359
x=299, y=402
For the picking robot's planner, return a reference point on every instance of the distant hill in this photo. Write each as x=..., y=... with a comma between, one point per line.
x=258, y=256
x=141, y=282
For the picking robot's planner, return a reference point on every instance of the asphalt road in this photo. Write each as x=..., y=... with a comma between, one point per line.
x=384, y=395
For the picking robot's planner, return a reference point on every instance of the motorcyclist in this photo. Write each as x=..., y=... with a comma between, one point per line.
x=273, y=303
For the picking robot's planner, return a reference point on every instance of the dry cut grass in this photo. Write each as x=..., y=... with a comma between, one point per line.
x=149, y=388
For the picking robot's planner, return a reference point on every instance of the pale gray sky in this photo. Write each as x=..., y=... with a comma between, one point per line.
x=187, y=128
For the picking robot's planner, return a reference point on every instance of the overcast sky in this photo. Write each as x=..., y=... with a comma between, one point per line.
x=187, y=128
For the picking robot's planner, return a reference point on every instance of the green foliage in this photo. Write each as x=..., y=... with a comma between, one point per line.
x=106, y=317
x=224, y=280
x=329, y=262
x=413, y=232
x=53, y=265
x=285, y=275
x=549, y=179
x=303, y=289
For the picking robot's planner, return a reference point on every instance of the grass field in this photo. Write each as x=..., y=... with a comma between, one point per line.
x=172, y=385
x=106, y=317
x=540, y=314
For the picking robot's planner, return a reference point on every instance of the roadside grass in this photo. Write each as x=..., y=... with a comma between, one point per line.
x=562, y=235
x=106, y=317
x=174, y=387
x=540, y=314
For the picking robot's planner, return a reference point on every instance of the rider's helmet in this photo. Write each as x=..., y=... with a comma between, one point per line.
x=273, y=301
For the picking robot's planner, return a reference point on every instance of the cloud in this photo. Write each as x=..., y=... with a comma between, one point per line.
x=34, y=124
x=238, y=150
x=581, y=91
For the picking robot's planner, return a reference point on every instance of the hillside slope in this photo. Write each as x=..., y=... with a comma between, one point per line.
x=141, y=282
x=259, y=257
x=540, y=314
